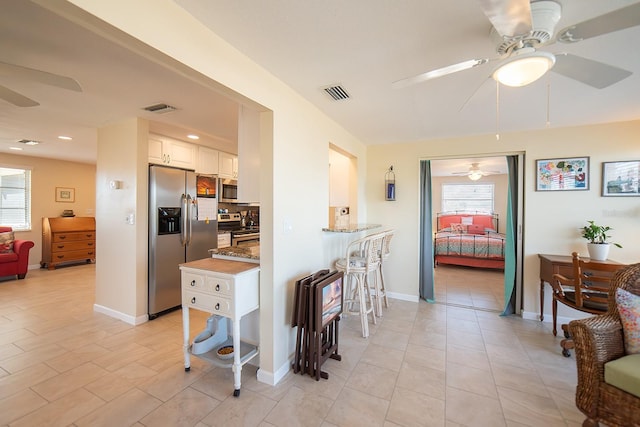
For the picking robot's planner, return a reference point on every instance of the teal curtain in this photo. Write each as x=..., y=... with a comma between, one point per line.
x=426, y=239
x=510, y=246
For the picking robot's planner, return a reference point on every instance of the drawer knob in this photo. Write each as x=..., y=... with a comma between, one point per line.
x=218, y=306
x=193, y=300
x=193, y=283
x=217, y=287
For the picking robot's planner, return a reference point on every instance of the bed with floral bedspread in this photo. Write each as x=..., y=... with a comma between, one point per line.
x=469, y=239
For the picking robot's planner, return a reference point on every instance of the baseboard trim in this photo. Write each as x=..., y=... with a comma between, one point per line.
x=403, y=297
x=548, y=318
x=274, y=378
x=121, y=316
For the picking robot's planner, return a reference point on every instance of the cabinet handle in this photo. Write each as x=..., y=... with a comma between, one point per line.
x=217, y=306
x=218, y=288
x=89, y=253
x=193, y=283
x=88, y=235
x=60, y=256
x=193, y=300
x=62, y=237
x=60, y=246
x=90, y=243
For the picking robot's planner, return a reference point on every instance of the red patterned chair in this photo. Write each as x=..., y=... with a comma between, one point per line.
x=14, y=254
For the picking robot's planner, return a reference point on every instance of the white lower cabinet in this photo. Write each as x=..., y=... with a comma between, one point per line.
x=229, y=289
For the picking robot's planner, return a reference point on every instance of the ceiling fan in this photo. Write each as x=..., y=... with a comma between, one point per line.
x=43, y=77
x=475, y=173
x=520, y=28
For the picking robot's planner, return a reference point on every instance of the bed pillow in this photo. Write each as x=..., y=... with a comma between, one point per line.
x=629, y=309
x=6, y=242
x=475, y=229
x=466, y=220
x=456, y=227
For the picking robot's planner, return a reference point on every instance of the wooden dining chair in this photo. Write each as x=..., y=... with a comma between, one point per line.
x=586, y=291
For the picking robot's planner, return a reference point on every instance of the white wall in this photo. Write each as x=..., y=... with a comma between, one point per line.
x=121, y=267
x=552, y=219
x=293, y=186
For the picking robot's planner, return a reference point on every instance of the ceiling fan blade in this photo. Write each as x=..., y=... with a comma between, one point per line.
x=588, y=71
x=39, y=76
x=16, y=99
x=620, y=19
x=461, y=66
x=509, y=17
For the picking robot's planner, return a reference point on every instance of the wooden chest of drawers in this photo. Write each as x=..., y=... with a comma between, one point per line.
x=67, y=240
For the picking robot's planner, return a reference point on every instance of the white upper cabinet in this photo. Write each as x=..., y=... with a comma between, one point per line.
x=171, y=152
x=248, y=155
x=207, y=161
x=227, y=165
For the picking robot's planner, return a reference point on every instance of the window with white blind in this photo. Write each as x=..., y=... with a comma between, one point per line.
x=467, y=197
x=15, y=198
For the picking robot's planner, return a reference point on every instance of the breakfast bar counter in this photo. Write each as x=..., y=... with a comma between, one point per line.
x=247, y=253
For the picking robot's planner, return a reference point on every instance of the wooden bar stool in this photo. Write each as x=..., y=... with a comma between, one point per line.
x=362, y=259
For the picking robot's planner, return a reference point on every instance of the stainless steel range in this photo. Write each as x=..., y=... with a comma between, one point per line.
x=241, y=235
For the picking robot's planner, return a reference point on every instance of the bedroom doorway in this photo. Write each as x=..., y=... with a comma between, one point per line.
x=472, y=274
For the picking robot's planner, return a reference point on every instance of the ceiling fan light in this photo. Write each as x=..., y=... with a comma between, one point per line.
x=524, y=69
x=475, y=175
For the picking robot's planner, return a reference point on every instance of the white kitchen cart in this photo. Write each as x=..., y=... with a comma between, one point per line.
x=226, y=288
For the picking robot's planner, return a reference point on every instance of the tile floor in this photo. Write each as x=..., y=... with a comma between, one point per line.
x=424, y=364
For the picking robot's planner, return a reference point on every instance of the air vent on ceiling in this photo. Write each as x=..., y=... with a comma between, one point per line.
x=160, y=108
x=337, y=92
x=29, y=142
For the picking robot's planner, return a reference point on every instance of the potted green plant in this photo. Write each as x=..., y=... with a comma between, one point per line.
x=597, y=237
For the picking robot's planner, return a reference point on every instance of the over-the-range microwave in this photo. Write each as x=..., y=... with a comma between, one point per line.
x=228, y=190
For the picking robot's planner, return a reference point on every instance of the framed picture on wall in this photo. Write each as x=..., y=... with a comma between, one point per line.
x=562, y=174
x=621, y=178
x=65, y=194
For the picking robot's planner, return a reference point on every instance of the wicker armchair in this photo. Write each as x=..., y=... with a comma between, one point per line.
x=599, y=340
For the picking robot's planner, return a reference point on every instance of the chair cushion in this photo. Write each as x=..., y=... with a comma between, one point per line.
x=624, y=373
x=10, y=257
x=6, y=242
x=629, y=309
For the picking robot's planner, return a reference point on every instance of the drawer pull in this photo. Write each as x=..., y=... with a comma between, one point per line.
x=193, y=300
x=89, y=253
x=60, y=246
x=90, y=243
x=218, y=306
x=218, y=288
x=60, y=256
x=62, y=237
x=193, y=283
x=89, y=235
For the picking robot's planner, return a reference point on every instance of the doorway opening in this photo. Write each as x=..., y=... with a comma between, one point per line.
x=470, y=247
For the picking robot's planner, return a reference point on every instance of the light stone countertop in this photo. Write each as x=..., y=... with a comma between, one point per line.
x=352, y=228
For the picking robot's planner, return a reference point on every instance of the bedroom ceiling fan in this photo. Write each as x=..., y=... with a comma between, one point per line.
x=475, y=173
x=520, y=28
x=43, y=77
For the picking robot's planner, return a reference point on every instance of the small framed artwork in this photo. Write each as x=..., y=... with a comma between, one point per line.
x=621, y=178
x=562, y=174
x=65, y=194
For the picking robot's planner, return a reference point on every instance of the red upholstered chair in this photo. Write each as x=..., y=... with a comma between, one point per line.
x=15, y=263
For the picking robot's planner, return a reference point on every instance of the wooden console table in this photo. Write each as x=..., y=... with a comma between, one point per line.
x=558, y=264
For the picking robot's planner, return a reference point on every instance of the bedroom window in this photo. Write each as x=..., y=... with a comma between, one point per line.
x=467, y=197
x=15, y=198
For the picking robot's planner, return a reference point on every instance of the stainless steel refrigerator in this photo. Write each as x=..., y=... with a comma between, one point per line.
x=175, y=234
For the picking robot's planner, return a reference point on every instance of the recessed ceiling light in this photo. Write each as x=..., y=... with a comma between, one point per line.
x=192, y=136
x=66, y=138
x=15, y=148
